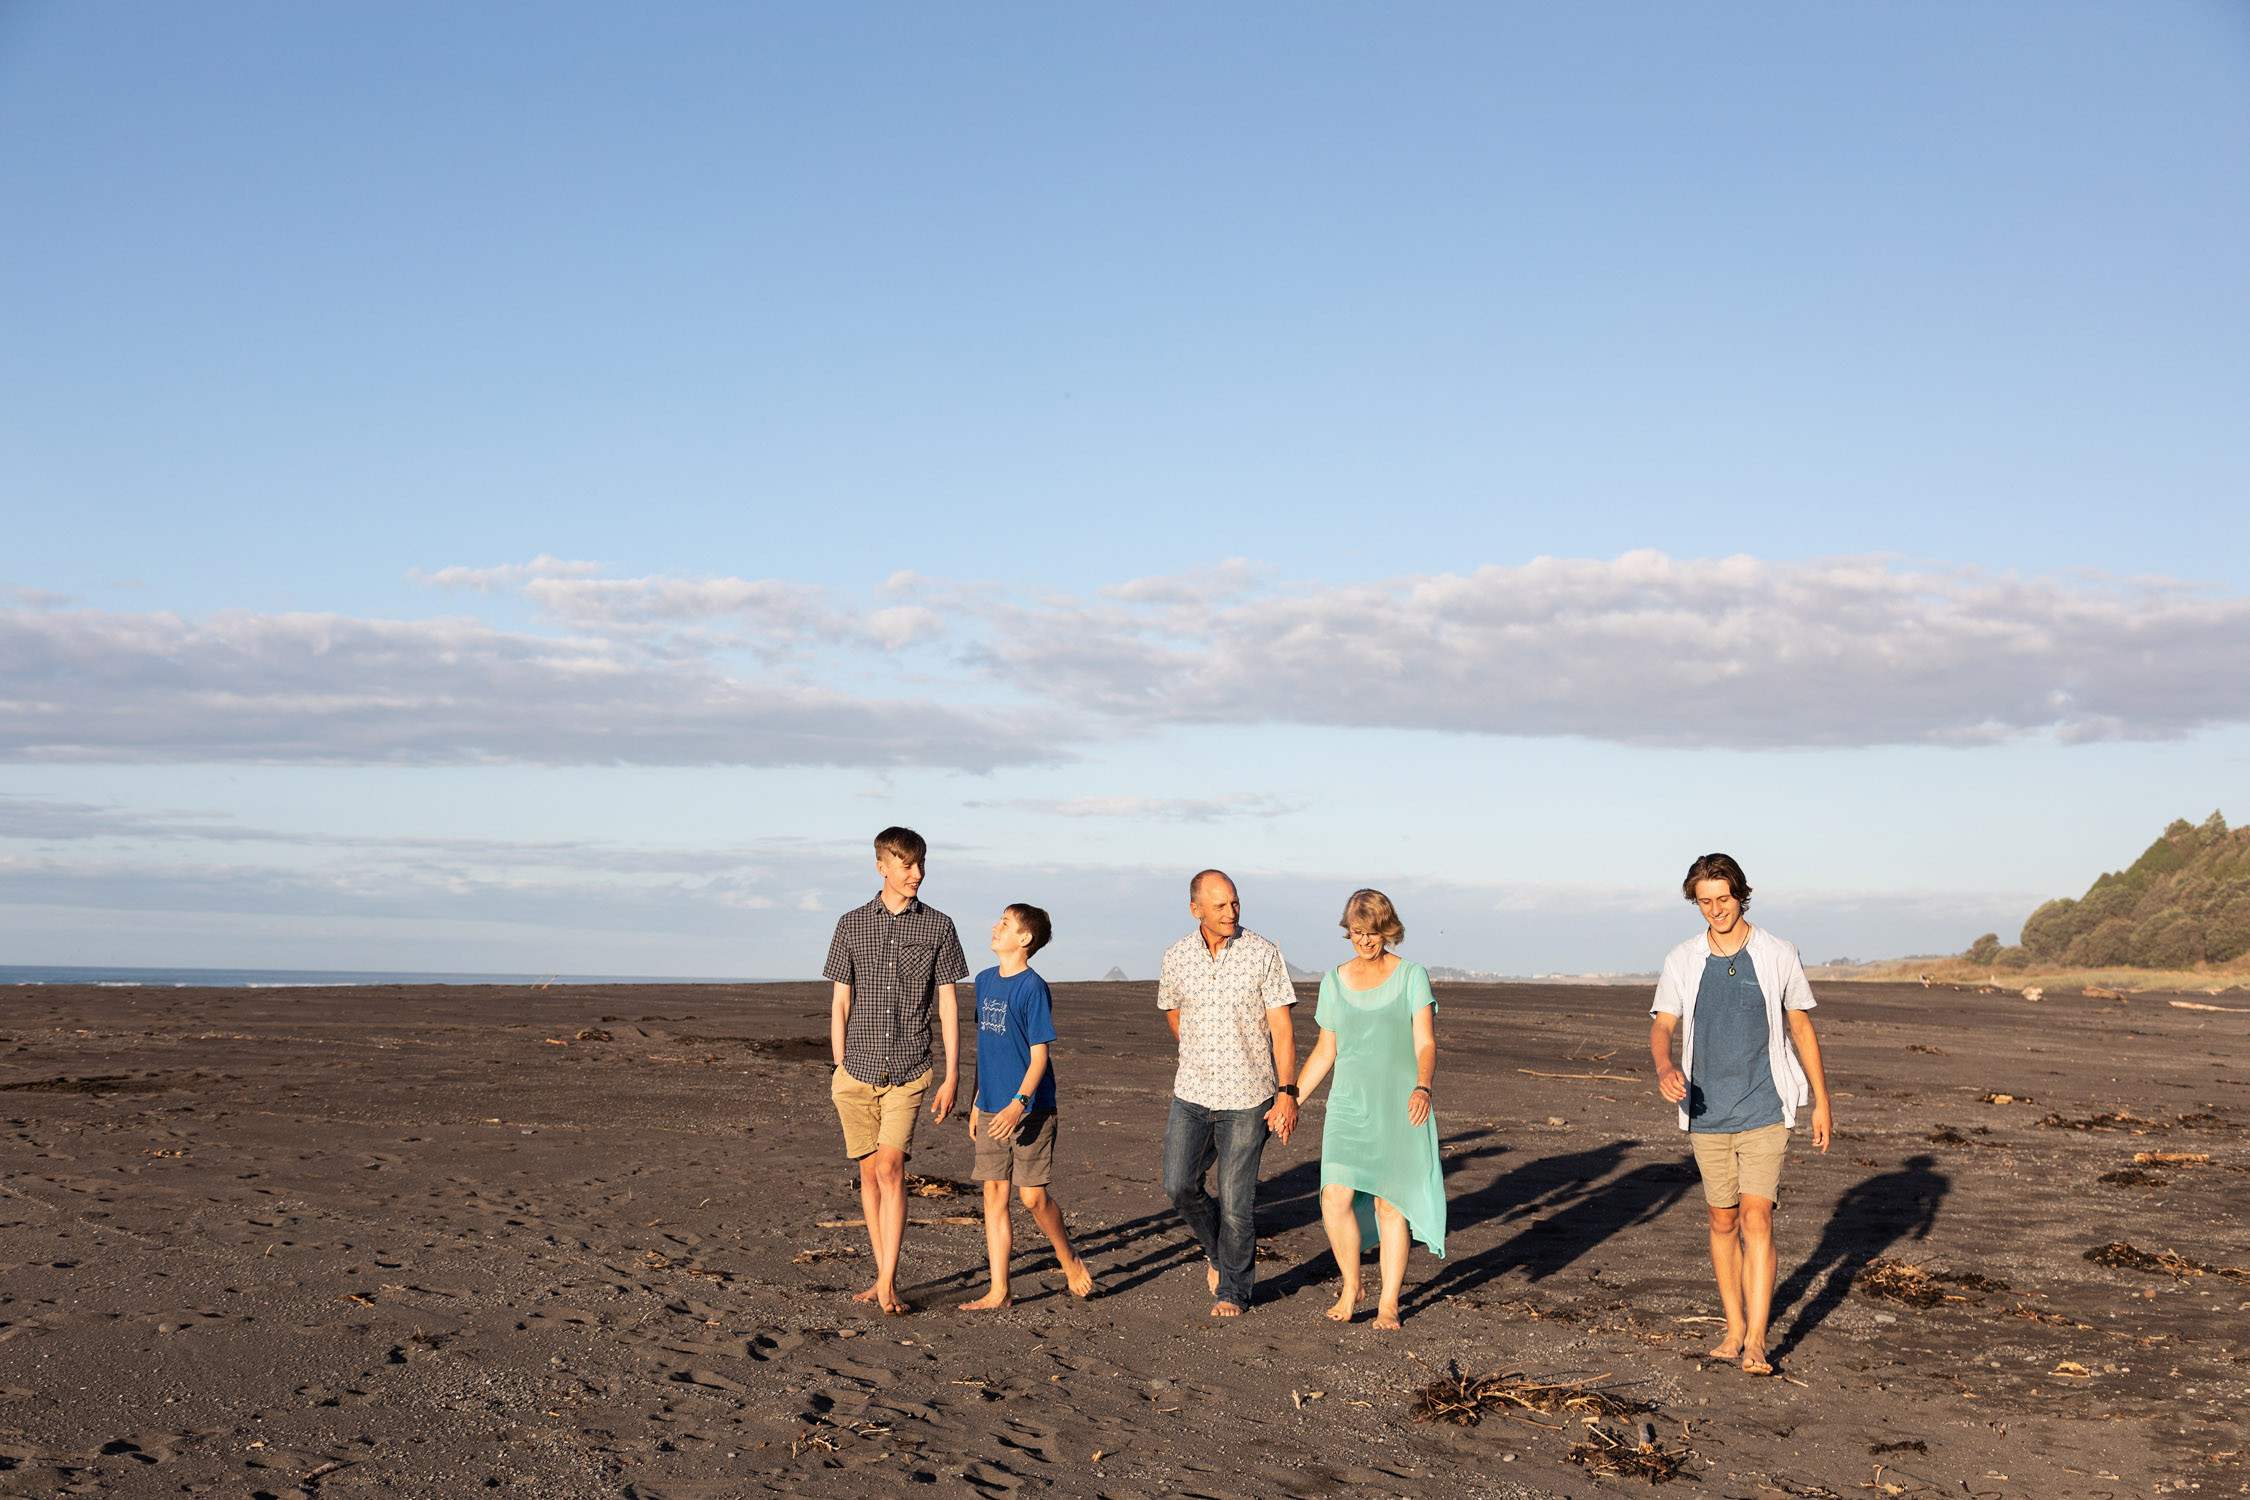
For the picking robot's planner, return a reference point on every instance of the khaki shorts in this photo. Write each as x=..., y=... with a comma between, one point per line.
x=1748, y=1161
x=878, y=1116
x=1026, y=1158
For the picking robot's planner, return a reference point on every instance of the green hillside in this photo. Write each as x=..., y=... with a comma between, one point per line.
x=2184, y=902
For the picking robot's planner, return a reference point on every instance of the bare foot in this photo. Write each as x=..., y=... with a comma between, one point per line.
x=897, y=1307
x=1386, y=1317
x=1754, y=1361
x=1225, y=1310
x=1729, y=1347
x=872, y=1294
x=1081, y=1278
x=1211, y=1278
x=1346, y=1301
x=989, y=1301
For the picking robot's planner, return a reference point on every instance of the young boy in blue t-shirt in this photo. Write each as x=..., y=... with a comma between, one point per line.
x=1012, y=1121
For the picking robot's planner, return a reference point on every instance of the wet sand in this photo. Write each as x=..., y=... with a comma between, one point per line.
x=430, y=1241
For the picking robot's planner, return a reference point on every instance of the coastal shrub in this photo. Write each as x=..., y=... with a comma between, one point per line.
x=2108, y=946
x=2177, y=943
x=1983, y=949
x=2184, y=901
x=2048, y=932
x=2228, y=936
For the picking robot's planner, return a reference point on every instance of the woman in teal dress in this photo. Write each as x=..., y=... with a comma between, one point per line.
x=1380, y=1176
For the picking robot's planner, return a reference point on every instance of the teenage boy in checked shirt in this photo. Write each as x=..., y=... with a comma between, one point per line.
x=893, y=961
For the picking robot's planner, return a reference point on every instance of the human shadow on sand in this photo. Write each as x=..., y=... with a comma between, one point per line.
x=1580, y=1210
x=1871, y=1217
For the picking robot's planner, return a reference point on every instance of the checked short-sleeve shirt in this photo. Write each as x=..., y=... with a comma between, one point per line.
x=1226, y=1048
x=894, y=964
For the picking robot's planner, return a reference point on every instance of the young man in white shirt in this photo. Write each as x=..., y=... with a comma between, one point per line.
x=1737, y=998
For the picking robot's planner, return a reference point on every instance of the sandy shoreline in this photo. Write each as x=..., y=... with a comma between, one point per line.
x=429, y=1241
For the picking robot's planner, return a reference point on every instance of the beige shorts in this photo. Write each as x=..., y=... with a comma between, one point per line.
x=1026, y=1158
x=878, y=1116
x=1748, y=1161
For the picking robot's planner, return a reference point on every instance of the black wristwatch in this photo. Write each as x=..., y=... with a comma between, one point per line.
x=1288, y=1088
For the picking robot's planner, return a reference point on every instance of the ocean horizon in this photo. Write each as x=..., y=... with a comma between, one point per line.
x=122, y=977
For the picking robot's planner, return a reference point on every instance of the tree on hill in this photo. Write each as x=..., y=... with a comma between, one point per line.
x=2184, y=902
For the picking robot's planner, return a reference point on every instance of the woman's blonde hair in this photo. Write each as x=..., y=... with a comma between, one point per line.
x=1371, y=911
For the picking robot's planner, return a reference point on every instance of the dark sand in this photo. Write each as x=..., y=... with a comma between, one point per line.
x=399, y=1240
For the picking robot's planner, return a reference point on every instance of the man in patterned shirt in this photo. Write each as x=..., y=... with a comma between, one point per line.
x=1226, y=993
x=891, y=960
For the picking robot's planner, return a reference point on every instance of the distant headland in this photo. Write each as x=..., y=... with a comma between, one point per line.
x=2176, y=918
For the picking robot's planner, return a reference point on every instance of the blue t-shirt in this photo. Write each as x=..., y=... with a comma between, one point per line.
x=1013, y=1016
x=1730, y=1088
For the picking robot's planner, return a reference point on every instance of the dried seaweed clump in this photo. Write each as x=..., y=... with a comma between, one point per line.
x=1919, y=1286
x=2163, y=1262
x=2118, y=1121
x=2134, y=1177
x=1462, y=1400
x=934, y=1187
x=1604, y=1453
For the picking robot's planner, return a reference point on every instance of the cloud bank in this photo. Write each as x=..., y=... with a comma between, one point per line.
x=1641, y=649
x=1647, y=650
x=331, y=689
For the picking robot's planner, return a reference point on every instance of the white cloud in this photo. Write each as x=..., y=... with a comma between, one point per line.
x=1170, y=809
x=324, y=688
x=508, y=576
x=1640, y=649
x=1643, y=649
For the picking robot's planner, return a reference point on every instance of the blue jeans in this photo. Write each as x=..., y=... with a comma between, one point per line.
x=1195, y=1140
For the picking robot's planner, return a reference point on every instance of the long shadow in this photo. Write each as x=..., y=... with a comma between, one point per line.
x=1583, y=1216
x=1872, y=1216
x=1298, y=1205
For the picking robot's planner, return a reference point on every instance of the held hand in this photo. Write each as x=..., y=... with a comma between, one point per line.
x=1821, y=1131
x=1671, y=1083
x=1282, y=1118
x=1417, y=1108
x=941, y=1104
x=1004, y=1123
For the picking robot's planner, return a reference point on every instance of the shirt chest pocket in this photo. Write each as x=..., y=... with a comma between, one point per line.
x=913, y=963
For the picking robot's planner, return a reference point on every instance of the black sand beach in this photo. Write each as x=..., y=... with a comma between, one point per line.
x=584, y=1242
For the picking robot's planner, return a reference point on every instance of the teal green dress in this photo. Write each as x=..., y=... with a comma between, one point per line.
x=1366, y=1143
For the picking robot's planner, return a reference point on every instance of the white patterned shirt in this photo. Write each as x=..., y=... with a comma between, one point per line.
x=1226, y=1048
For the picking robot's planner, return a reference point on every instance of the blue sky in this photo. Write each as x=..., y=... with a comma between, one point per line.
x=535, y=487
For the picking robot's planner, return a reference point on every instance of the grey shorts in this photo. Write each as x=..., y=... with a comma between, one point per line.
x=1026, y=1158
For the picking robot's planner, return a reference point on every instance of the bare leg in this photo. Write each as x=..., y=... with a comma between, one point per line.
x=1390, y=1224
x=1047, y=1214
x=999, y=1247
x=1342, y=1224
x=882, y=1195
x=1726, y=1260
x=1757, y=1281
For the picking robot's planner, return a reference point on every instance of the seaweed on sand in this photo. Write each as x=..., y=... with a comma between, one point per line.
x=1919, y=1286
x=2162, y=1262
x=1605, y=1453
x=934, y=1187
x=1462, y=1400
